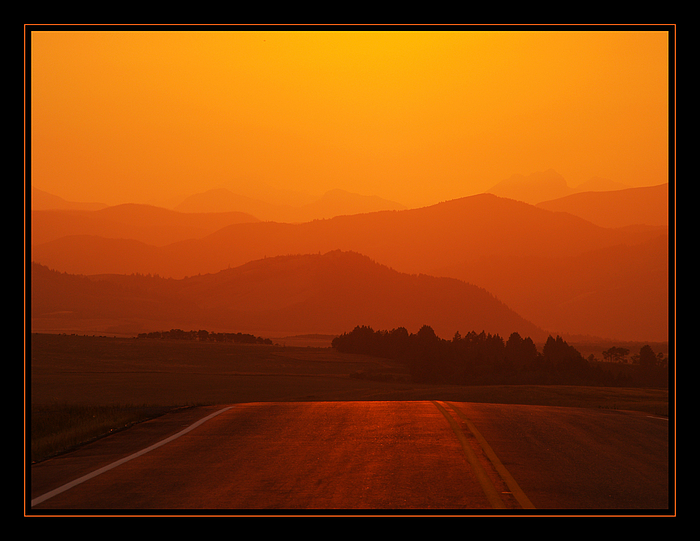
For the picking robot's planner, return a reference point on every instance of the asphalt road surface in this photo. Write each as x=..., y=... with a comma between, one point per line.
x=456, y=458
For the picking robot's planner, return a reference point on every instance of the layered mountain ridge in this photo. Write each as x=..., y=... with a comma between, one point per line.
x=554, y=263
x=325, y=293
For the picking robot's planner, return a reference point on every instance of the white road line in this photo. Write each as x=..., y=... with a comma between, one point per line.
x=84, y=478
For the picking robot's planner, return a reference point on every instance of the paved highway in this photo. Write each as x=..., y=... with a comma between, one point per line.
x=457, y=458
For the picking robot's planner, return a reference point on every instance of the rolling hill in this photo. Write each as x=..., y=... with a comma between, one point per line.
x=329, y=293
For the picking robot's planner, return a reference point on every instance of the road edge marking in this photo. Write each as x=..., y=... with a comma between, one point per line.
x=489, y=489
x=515, y=489
x=68, y=486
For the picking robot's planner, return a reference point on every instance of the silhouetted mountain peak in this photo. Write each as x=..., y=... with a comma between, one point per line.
x=533, y=188
x=221, y=200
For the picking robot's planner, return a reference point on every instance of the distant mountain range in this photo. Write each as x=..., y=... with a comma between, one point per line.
x=223, y=201
x=143, y=223
x=549, y=185
x=332, y=203
x=196, y=217
x=533, y=188
x=619, y=292
x=415, y=240
x=329, y=293
x=556, y=264
x=44, y=200
x=617, y=208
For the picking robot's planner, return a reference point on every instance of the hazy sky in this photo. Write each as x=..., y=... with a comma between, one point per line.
x=416, y=117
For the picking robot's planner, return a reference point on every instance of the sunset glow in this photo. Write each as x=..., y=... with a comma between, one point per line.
x=531, y=163
x=416, y=117
x=352, y=266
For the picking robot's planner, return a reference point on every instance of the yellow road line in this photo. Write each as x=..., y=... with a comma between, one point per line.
x=484, y=480
x=517, y=492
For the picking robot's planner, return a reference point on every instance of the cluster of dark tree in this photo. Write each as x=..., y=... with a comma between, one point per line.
x=646, y=358
x=206, y=336
x=478, y=359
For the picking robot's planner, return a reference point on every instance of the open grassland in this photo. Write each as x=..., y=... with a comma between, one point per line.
x=82, y=387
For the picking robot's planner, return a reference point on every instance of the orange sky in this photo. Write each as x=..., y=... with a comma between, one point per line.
x=416, y=117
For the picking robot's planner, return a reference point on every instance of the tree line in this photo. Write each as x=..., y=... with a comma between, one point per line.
x=206, y=336
x=482, y=358
x=646, y=358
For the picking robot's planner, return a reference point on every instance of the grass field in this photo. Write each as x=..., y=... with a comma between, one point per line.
x=82, y=387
